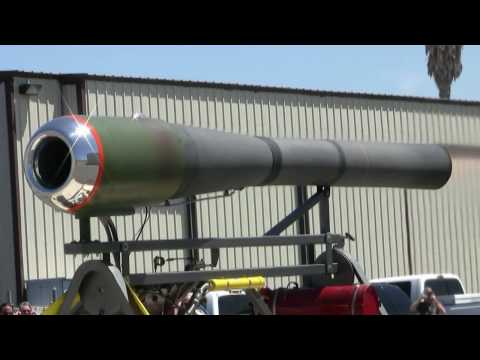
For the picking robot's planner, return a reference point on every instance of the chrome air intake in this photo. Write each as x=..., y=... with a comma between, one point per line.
x=63, y=162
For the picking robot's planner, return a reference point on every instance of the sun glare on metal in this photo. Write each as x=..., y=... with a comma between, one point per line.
x=81, y=131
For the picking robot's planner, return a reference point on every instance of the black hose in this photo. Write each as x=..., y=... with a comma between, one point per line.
x=147, y=217
x=104, y=222
x=113, y=230
x=112, y=236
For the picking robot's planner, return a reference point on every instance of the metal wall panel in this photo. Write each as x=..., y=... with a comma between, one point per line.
x=442, y=225
x=69, y=99
x=44, y=231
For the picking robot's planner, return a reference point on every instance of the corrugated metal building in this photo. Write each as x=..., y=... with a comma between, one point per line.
x=397, y=231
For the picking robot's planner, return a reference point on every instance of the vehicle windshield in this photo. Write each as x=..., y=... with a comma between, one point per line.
x=406, y=286
x=443, y=287
x=234, y=305
x=393, y=299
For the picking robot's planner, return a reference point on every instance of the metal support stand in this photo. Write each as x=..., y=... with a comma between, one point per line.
x=96, y=289
x=271, y=238
x=310, y=267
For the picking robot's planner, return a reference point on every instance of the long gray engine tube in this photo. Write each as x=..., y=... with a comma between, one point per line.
x=219, y=160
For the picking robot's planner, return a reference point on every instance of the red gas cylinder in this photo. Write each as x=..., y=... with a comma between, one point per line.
x=328, y=300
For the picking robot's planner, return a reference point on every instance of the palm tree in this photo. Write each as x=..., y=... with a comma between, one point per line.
x=445, y=65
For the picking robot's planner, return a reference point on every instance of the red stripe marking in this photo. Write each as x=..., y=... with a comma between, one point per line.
x=98, y=180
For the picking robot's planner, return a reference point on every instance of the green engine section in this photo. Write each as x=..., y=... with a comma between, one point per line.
x=144, y=163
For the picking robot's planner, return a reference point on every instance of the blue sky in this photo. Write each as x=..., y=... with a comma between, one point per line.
x=377, y=69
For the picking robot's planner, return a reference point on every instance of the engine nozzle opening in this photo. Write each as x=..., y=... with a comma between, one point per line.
x=52, y=162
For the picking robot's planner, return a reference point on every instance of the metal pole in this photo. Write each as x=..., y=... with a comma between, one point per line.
x=96, y=247
x=324, y=209
x=85, y=233
x=325, y=223
x=303, y=223
x=308, y=253
x=125, y=253
x=206, y=275
x=192, y=229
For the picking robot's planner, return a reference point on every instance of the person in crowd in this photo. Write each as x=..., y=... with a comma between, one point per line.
x=25, y=308
x=6, y=309
x=428, y=304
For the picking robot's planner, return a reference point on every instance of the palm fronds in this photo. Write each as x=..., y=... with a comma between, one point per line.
x=444, y=65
